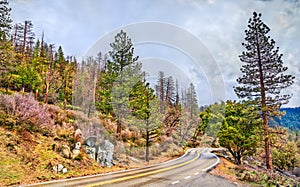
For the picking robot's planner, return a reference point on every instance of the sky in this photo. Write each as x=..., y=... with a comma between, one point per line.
x=196, y=41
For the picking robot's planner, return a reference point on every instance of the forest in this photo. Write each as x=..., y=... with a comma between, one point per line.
x=290, y=119
x=44, y=91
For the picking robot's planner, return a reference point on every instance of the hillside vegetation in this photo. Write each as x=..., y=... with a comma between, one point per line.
x=55, y=111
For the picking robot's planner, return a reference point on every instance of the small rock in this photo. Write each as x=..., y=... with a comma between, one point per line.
x=64, y=170
x=54, y=169
x=76, y=150
x=59, y=167
x=77, y=145
x=91, y=152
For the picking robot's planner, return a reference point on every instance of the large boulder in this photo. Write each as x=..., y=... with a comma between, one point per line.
x=105, y=151
x=90, y=141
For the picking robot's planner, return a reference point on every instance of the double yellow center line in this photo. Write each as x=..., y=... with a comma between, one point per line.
x=144, y=174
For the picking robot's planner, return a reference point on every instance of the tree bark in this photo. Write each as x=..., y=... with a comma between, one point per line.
x=47, y=93
x=147, y=141
x=24, y=42
x=263, y=110
x=119, y=128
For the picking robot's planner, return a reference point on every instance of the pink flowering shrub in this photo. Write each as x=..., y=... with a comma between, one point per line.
x=27, y=111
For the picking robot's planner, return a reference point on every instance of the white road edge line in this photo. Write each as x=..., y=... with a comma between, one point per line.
x=212, y=166
x=187, y=177
x=197, y=173
x=175, y=182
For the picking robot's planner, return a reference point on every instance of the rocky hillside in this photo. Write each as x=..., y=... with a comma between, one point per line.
x=38, y=143
x=43, y=142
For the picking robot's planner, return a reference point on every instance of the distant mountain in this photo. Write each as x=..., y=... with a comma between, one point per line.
x=291, y=119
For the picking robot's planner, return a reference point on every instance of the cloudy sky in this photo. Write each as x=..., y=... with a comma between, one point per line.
x=214, y=28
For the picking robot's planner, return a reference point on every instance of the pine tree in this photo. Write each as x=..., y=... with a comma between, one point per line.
x=170, y=91
x=66, y=71
x=130, y=76
x=5, y=20
x=263, y=75
x=120, y=57
x=85, y=85
x=240, y=130
x=187, y=128
x=192, y=102
x=23, y=40
x=7, y=54
x=145, y=108
x=160, y=91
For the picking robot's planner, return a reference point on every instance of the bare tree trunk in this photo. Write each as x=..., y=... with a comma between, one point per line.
x=37, y=94
x=24, y=42
x=267, y=142
x=47, y=93
x=119, y=128
x=147, y=141
x=48, y=79
x=264, y=113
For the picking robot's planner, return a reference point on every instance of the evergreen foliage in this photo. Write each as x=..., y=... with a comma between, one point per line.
x=263, y=75
x=241, y=129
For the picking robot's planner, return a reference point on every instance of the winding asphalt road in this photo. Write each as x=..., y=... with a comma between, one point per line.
x=188, y=170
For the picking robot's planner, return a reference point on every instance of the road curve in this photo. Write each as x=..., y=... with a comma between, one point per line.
x=188, y=170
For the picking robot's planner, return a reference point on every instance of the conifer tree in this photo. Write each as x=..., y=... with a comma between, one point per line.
x=263, y=75
x=145, y=107
x=240, y=130
x=5, y=20
x=6, y=49
x=121, y=56
x=160, y=91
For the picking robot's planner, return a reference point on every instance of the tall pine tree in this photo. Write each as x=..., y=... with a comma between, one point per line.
x=6, y=50
x=121, y=56
x=263, y=75
x=5, y=20
x=145, y=108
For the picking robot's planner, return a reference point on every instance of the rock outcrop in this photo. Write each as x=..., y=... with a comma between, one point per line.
x=102, y=153
x=105, y=151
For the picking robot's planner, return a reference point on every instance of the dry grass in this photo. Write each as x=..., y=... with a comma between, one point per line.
x=251, y=175
x=226, y=169
x=28, y=158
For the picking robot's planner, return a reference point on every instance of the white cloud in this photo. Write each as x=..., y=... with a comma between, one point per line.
x=220, y=25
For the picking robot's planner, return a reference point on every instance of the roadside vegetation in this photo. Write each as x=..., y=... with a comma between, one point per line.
x=46, y=98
